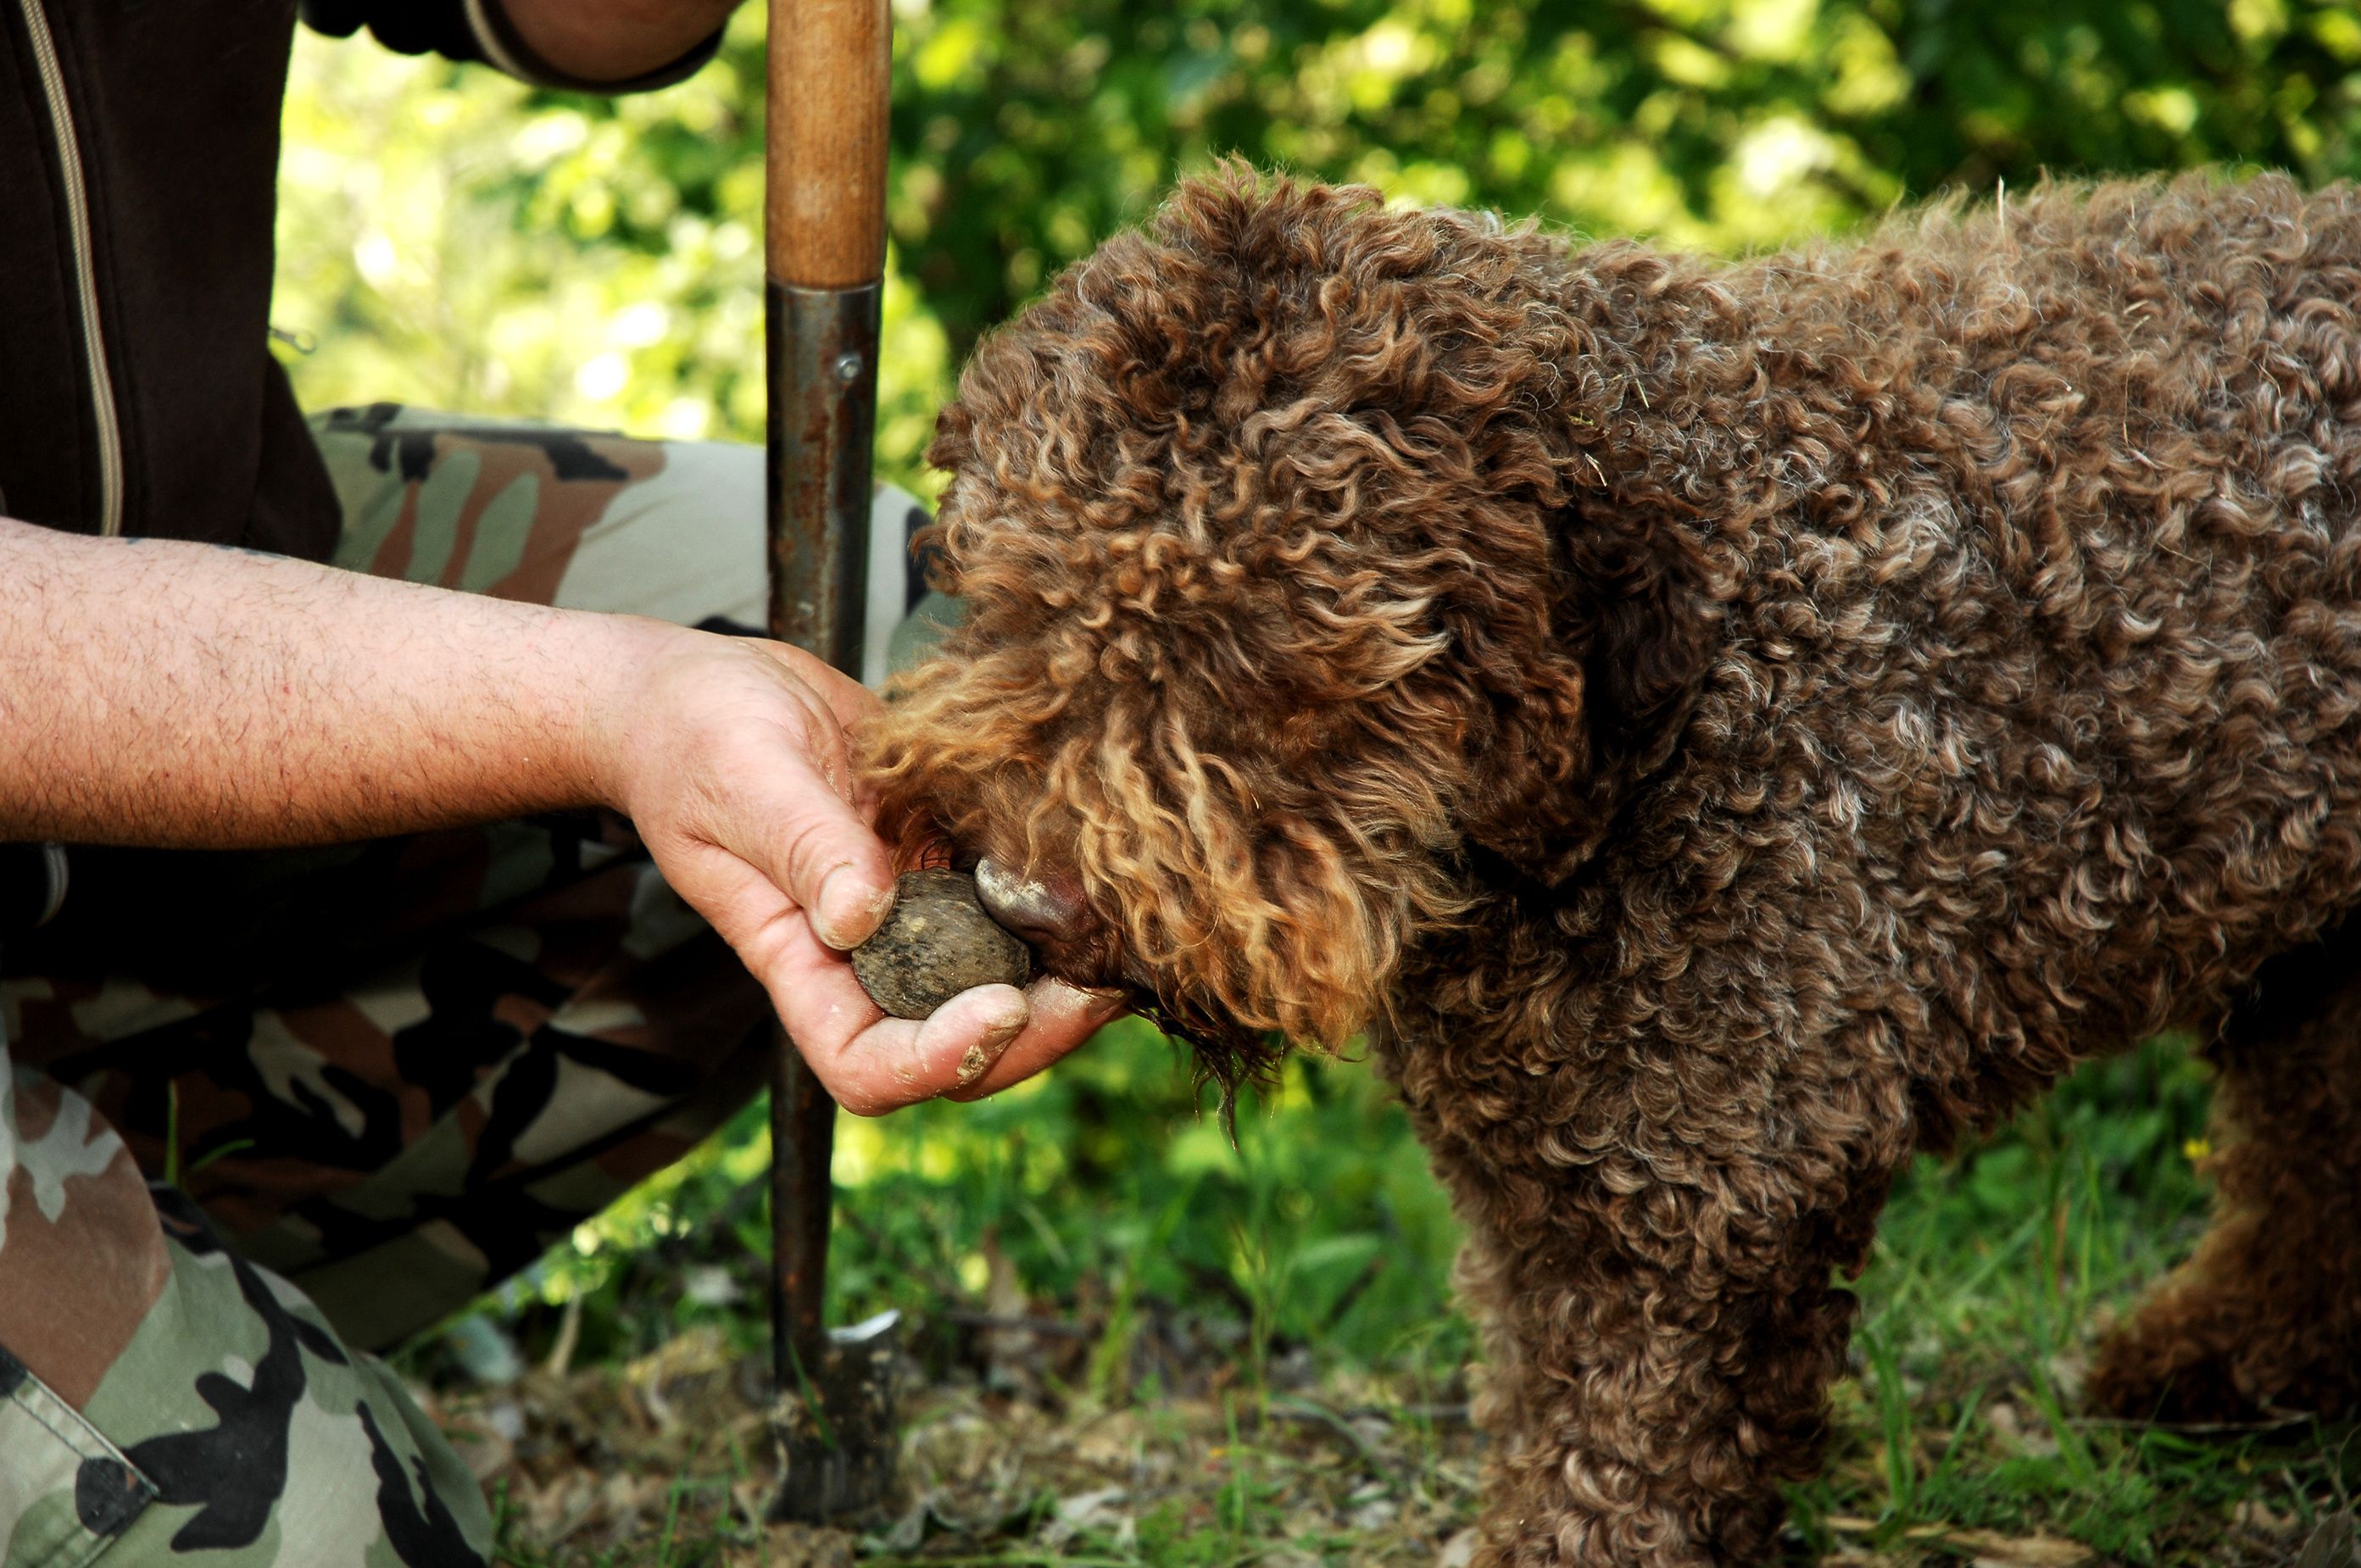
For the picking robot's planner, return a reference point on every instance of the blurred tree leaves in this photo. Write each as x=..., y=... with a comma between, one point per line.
x=454, y=238
x=1026, y=132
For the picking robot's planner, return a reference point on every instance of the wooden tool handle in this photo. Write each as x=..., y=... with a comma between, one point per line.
x=831, y=63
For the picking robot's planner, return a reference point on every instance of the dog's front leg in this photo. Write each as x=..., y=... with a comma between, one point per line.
x=1658, y=1364
x=1653, y=1253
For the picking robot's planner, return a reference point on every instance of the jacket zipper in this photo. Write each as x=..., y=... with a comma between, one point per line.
x=85, y=258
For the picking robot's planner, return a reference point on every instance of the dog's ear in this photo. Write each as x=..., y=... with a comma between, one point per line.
x=1630, y=635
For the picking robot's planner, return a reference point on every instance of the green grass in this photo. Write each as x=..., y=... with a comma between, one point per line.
x=1993, y=1273
x=1249, y=1354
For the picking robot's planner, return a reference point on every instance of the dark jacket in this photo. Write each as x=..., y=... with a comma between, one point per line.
x=138, y=153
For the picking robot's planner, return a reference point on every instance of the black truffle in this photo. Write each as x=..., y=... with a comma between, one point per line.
x=938, y=942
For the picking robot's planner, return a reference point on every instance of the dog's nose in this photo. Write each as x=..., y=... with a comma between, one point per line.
x=1041, y=911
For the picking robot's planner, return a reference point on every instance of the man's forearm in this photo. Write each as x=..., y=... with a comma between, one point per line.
x=614, y=41
x=170, y=694
x=185, y=695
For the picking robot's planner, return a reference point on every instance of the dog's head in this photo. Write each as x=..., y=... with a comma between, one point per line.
x=1274, y=625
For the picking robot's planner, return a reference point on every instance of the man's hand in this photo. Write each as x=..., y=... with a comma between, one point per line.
x=730, y=759
x=183, y=695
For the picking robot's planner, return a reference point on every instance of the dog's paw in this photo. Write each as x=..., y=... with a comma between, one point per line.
x=2192, y=1361
x=2144, y=1375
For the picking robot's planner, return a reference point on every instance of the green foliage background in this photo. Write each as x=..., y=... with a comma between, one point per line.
x=454, y=239
x=458, y=240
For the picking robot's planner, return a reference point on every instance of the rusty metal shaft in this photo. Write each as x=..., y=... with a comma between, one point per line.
x=825, y=255
x=823, y=357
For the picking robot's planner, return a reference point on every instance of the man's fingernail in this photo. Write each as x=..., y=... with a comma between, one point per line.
x=849, y=908
x=1093, y=999
x=976, y=1063
x=988, y=1049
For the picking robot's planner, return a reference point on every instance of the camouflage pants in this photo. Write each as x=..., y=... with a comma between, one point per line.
x=387, y=1075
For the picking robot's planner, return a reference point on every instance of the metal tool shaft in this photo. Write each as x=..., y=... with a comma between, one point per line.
x=825, y=251
x=823, y=415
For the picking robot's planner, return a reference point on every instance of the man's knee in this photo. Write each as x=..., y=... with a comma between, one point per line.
x=160, y=1397
x=584, y=519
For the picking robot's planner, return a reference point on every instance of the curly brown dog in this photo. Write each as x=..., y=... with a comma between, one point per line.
x=1720, y=728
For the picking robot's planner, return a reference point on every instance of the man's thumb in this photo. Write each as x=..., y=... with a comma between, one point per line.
x=853, y=902
x=825, y=859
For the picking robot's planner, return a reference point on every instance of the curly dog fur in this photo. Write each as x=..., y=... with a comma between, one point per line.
x=1720, y=728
